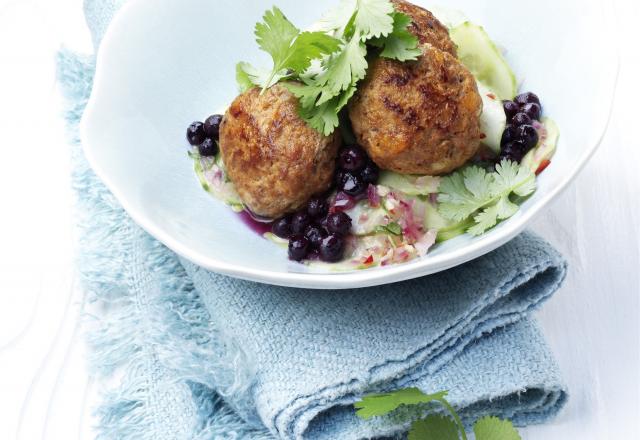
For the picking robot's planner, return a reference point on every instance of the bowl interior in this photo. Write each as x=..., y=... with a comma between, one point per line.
x=165, y=64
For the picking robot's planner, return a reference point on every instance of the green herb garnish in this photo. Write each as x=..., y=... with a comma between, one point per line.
x=434, y=426
x=484, y=197
x=328, y=64
x=392, y=228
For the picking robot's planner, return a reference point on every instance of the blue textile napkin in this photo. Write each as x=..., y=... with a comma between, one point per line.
x=202, y=356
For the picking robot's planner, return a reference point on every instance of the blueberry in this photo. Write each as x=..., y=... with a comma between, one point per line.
x=317, y=207
x=352, y=184
x=527, y=98
x=528, y=135
x=513, y=150
x=338, y=178
x=370, y=173
x=338, y=223
x=510, y=134
x=208, y=147
x=510, y=109
x=195, y=133
x=533, y=110
x=212, y=126
x=521, y=119
x=352, y=158
x=332, y=248
x=315, y=234
x=282, y=227
x=298, y=247
x=299, y=222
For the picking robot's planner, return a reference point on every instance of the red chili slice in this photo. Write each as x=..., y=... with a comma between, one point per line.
x=543, y=165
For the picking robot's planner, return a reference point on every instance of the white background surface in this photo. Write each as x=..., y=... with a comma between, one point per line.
x=592, y=323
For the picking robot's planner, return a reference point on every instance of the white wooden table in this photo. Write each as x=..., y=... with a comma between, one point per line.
x=592, y=324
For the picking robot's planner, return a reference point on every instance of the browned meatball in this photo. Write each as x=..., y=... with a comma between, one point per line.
x=419, y=117
x=276, y=161
x=426, y=27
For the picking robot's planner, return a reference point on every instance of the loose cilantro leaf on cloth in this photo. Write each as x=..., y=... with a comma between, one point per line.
x=381, y=404
x=400, y=44
x=472, y=192
x=290, y=50
x=492, y=428
x=434, y=427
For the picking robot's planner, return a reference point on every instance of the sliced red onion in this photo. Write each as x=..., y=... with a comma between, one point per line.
x=424, y=244
x=373, y=196
x=343, y=202
x=258, y=218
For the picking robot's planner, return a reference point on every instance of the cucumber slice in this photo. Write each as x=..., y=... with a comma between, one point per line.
x=408, y=184
x=485, y=61
x=374, y=218
x=433, y=219
x=493, y=120
x=448, y=16
x=275, y=239
x=546, y=146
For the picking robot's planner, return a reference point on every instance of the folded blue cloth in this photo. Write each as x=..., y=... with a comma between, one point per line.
x=205, y=356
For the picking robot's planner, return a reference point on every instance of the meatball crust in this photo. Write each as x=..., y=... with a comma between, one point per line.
x=426, y=26
x=275, y=160
x=419, y=117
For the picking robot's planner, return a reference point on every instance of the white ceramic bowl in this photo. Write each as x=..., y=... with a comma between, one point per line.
x=164, y=64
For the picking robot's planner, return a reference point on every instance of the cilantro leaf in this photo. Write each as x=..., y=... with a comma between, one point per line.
x=309, y=46
x=289, y=49
x=247, y=76
x=484, y=196
x=327, y=68
x=322, y=118
x=464, y=192
x=392, y=228
x=484, y=220
x=368, y=18
x=381, y=404
x=400, y=44
x=319, y=117
x=276, y=34
x=509, y=174
x=342, y=70
x=492, y=428
x=307, y=94
x=434, y=427
x=373, y=18
x=337, y=19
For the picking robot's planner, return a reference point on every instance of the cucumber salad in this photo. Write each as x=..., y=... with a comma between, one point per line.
x=382, y=132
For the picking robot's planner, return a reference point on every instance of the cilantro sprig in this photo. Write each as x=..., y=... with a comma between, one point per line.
x=290, y=50
x=434, y=426
x=479, y=199
x=328, y=64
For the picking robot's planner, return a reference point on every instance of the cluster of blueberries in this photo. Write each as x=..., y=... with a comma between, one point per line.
x=355, y=171
x=520, y=135
x=316, y=232
x=205, y=135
